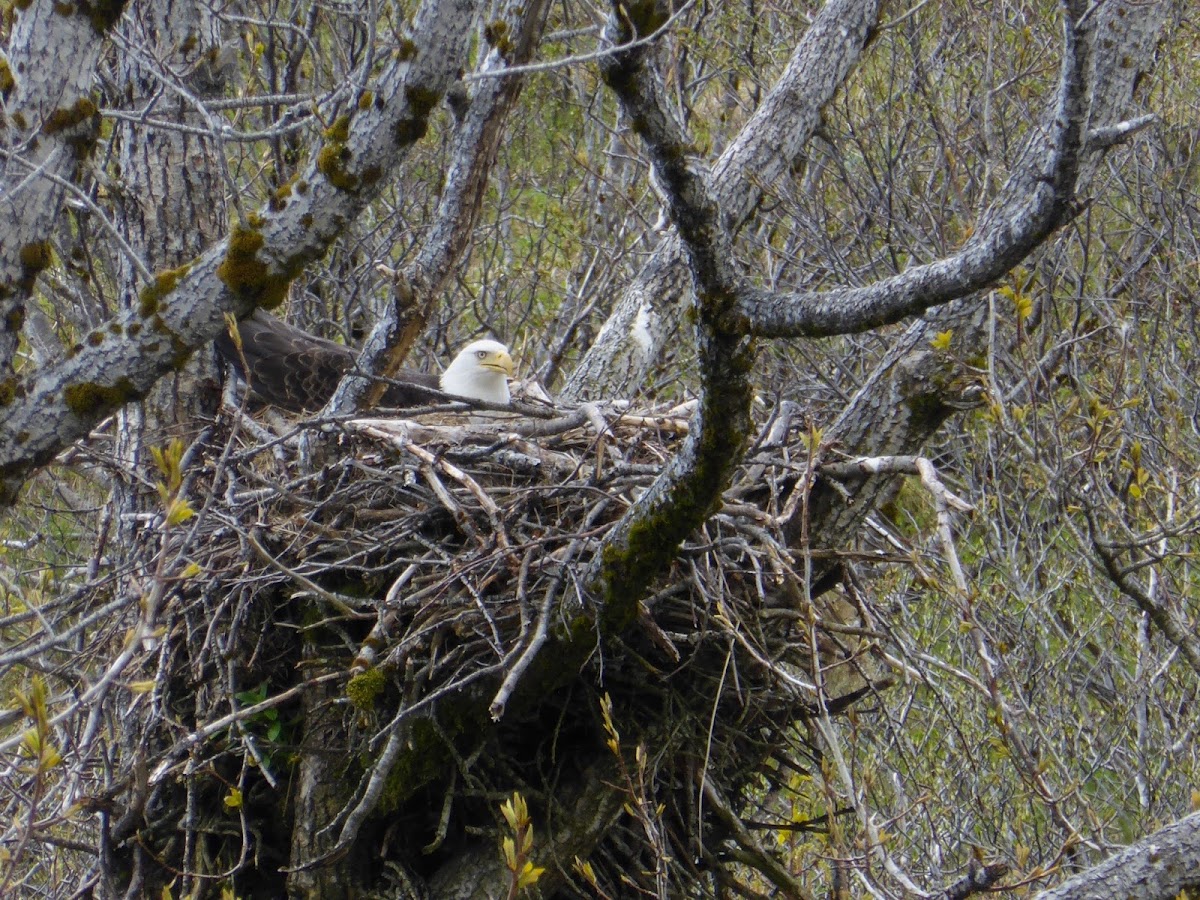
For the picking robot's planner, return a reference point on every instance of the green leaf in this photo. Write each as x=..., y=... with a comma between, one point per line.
x=941, y=341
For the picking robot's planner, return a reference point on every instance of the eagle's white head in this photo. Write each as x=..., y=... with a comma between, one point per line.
x=480, y=372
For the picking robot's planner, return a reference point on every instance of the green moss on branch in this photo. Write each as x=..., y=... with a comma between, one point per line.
x=89, y=399
x=249, y=277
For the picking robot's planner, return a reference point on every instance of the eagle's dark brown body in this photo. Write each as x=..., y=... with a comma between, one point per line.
x=298, y=371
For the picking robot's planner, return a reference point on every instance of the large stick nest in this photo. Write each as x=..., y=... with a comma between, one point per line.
x=413, y=607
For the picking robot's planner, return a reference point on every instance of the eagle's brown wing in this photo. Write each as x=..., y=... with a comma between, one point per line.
x=298, y=371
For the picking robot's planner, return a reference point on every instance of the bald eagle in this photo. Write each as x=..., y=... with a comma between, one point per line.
x=298, y=371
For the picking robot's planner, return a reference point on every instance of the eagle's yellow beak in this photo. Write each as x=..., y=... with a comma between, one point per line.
x=499, y=361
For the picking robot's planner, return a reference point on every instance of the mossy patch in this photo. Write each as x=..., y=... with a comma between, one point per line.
x=497, y=35
x=78, y=125
x=70, y=116
x=644, y=555
x=332, y=159
x=250, y=277
x=103, y=14
x=7, y=81
x=14, y=319
x=416, y=767
x=339, y=131
x=35, y=258
x=280, y=197
x=89, y=399
x=10, y=390
x=331, y=162
x=242, y=271
x=413, y=126
x=646, y=17
x=364, y=688
x=151, y=298
x=405, y=50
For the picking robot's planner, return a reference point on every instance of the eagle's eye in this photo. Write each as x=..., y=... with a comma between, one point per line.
x=482, y=354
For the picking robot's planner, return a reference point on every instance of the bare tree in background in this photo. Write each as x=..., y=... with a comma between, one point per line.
x=750, y=644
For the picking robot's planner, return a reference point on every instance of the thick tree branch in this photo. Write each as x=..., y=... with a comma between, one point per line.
x=47, y=128
x=1158, y=867
x=1035, y=202
x=185, y=308
x=915, y=389
x=646, y=539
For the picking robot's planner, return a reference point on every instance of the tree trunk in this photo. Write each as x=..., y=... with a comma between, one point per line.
x=171, y=209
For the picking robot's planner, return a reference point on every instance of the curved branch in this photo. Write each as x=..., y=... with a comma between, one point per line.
x=914, y=390
x=1032, y=205
x=764, y=151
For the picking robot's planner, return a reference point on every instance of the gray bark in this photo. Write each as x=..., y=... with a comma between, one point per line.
x=1158, y=867
x=644, y=542
x=48, y=128
x=171, y=209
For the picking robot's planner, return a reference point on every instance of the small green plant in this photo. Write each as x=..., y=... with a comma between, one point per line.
x=518, y=848
x=43, y=757
x=266, y=729
x=167, y=459
x=267, y=720
x=640, y=805
x=585, y=871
